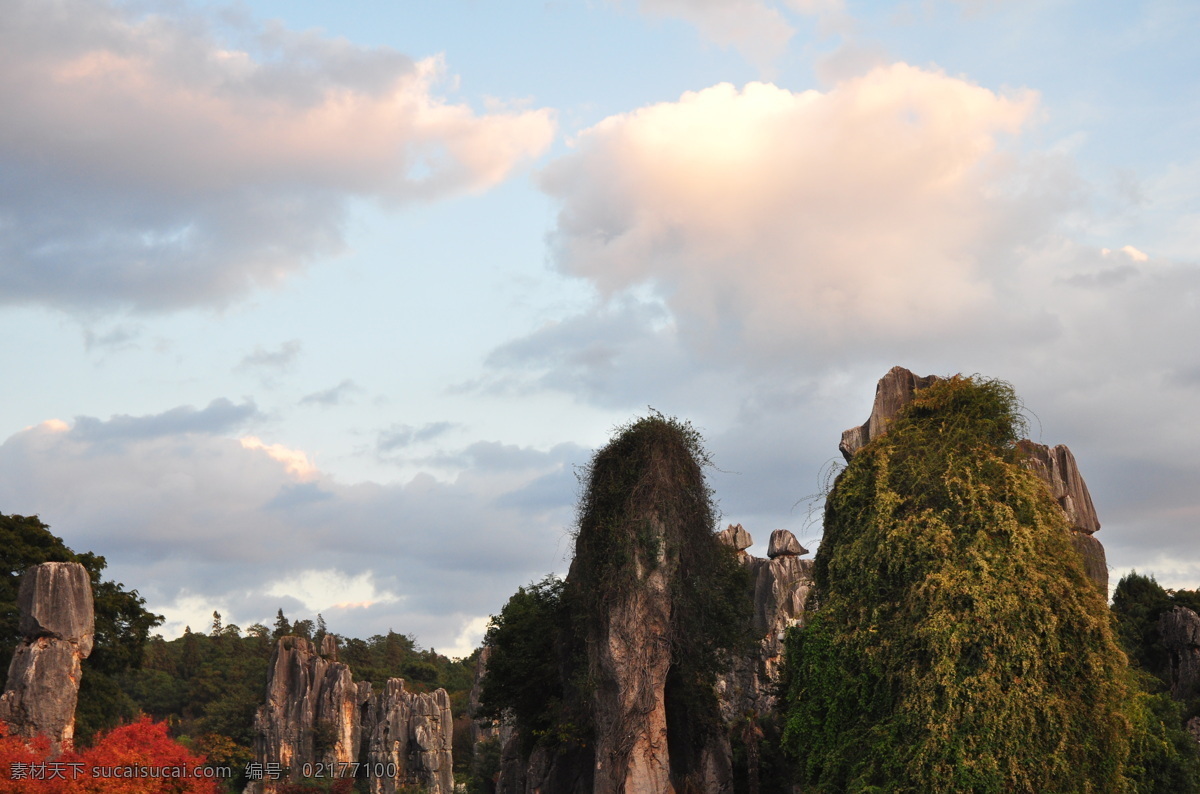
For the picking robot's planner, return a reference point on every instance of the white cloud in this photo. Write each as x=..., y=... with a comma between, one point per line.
x=294, y=461
x=321, y=590
x=145, y=163
x=764, y=216
x=469, y=638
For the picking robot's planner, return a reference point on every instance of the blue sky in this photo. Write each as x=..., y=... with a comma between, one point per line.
x=319, y=306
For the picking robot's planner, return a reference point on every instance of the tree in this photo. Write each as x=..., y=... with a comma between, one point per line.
x=522, y=669
x=303, y=628
x=138, y=758
x=282, y=626
x=959, y=645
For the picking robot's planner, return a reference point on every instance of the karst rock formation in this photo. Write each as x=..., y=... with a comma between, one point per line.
x=780, y=587
x=57, y=625
x=1056, y=465
x=629, y=659
x=316, y=717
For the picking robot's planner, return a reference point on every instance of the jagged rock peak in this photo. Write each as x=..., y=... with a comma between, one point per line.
x=893, y=392
x=784, y=543
x=1057, y=468
x=315, y=713
x=735, y=535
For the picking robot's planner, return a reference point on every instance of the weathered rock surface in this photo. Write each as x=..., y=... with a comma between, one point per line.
x=57, y=625
x=1057, y=468
x=630, y=656
x=893, y=392
x=312, y=713
x=315, y=713
x=783, y=543
x=1180, y=632
x=736, y=536
x=781, y=589
x=414, y=733
x=1095, y=564
x=55, y=600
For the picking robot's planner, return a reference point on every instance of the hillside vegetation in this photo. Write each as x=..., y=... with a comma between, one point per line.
x=959, y=645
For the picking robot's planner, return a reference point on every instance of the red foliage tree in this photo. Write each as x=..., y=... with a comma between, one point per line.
x=138, y=758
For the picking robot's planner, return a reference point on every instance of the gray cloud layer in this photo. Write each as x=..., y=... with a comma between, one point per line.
x=192, y=517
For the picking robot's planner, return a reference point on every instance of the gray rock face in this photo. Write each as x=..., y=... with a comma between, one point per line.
x=414, y=733
x=57, y=627
x=783, y=543
x=781, y=590
x=1180, y=632
x=736, y=536
x=55, y=600
x=315, y=713
x=1057, y=468
x=312, y=711
x=1095, y=564
x=893, y=392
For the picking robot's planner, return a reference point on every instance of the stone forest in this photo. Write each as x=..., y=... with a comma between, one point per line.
x=952, y=634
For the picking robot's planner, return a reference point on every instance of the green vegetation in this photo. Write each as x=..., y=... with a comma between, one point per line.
x=1138, y=602
x=959, y=645
x=523, y=676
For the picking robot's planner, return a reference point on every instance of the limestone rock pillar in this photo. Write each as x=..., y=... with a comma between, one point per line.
x=57, y=626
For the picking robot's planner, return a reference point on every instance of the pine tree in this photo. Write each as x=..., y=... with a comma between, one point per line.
x=282, y=626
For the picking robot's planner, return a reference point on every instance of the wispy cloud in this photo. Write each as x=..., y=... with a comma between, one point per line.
x=758, y=29
x=335, y=395
x=400, y=436
x=219, y=416
x=280, y=359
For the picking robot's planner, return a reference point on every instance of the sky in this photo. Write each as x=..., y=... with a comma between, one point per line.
x=322, y=307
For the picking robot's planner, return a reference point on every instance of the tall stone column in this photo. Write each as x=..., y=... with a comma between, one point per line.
x=57, y=625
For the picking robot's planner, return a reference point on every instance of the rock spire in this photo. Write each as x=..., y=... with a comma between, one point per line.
x=57, y=626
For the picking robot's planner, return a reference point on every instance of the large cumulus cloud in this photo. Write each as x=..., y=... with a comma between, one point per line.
x=763, y=216
x=145, y=162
